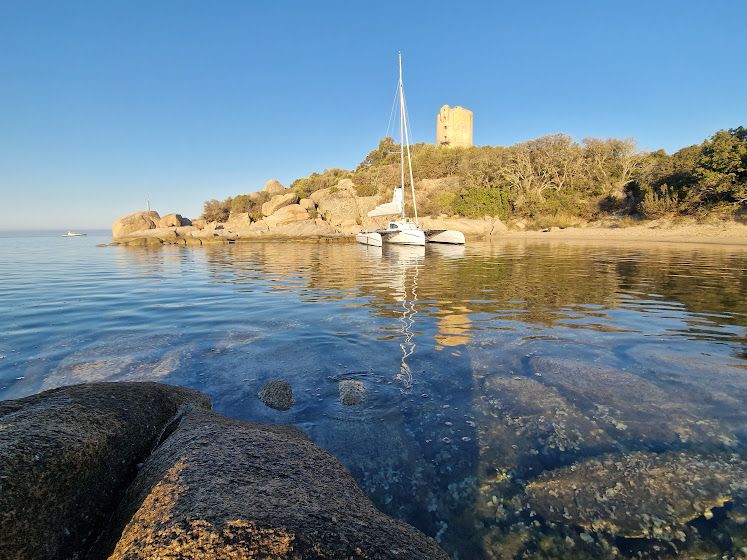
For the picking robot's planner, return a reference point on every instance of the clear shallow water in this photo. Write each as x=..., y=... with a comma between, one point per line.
x=485, y=366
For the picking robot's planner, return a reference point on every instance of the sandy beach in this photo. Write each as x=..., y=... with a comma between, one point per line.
x=722, y=233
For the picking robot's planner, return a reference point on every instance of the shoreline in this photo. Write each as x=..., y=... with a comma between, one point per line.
x=730, y=233
x=725, y=233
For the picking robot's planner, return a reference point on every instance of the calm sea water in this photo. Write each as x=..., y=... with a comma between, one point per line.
x=484, y=366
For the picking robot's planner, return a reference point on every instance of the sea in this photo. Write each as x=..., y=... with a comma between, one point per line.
x=498, y=376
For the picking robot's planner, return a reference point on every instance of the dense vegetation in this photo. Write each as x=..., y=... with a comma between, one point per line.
x=552, y=180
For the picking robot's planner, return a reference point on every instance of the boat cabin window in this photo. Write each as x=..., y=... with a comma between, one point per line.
x=392, y=225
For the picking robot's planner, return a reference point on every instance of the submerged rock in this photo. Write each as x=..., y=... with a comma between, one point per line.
x=640, y=494
x=221, y=488
x=66, y=457
x=352, y=391
x=277, y=394
x=629, y=407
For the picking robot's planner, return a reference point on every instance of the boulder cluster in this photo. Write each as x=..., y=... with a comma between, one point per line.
x=145, y=470
x=332, y=213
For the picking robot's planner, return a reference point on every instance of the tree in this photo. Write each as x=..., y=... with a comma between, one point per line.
x=612, y=164
x=721, y=169
x=216, y=210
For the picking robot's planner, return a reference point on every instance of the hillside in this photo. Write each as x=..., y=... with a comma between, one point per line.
x=550, y=181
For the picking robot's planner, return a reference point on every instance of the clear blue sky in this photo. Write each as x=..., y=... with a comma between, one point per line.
x=106, y=103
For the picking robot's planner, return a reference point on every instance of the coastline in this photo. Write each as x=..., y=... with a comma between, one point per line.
x=729, y=233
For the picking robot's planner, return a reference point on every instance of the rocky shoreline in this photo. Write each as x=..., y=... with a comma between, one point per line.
x=335, y=214
x=146, y=470
x=332, y=214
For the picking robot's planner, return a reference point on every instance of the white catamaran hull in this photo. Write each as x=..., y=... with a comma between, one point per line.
x=369, y=238
x=450, y=236
x=405, y=237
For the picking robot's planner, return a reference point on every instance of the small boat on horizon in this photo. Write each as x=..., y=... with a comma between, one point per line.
x=404, y=231
x=73, y=234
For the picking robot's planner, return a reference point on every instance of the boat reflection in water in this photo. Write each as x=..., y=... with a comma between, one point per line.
x=404, y=263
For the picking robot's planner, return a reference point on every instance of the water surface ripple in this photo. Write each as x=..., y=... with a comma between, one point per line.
x=485, y=366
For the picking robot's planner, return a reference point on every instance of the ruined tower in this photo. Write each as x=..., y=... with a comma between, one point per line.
x=454, y=127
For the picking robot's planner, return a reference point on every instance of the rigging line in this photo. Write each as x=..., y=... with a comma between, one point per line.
x=377, y=171
x=391, y=113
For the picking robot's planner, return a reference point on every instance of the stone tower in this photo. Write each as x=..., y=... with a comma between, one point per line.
x=454, y=127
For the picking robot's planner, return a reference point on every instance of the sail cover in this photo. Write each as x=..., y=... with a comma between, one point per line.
x=390, y=208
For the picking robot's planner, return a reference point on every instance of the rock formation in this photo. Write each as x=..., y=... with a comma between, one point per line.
x=143, y=470
x=331, y=213
x=277, y=202
x=66, y=457
x=639, y=494
x=273, y=186
x=454, y=127
x=171, y=220
x=137, y=221
x=287, y=215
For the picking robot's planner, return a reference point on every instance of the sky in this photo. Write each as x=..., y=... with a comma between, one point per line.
x=105, y=106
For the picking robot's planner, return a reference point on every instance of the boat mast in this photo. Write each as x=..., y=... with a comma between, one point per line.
x=405, y=141
x=401, y=137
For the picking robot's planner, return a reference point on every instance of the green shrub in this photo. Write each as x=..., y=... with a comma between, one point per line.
x=475, y=202
x=318, y=181
x=656, y=205
x=241, y=203
x=216, y=210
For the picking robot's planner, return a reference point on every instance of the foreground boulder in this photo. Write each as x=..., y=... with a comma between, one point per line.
x=143, y=470
x=134, y=222
x=67, y=456
x=221, y=488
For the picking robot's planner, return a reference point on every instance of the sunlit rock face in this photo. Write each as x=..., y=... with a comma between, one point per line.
x=222, y=488
x=273, y=186
x=135, y=222
x=144, y=470
x=277, y=202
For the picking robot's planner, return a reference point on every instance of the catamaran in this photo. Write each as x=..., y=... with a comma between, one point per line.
x=404, y=231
